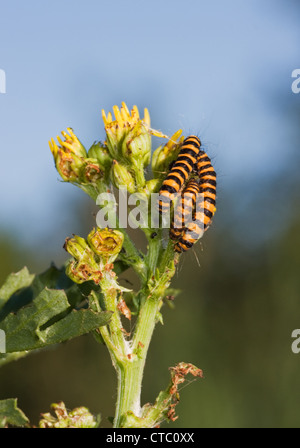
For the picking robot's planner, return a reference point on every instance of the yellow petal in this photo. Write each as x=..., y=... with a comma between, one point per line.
x=135, y=112
x=124, y=114
x=117, y=114
x=59, y=140
x=125, y=109
x=146, y=117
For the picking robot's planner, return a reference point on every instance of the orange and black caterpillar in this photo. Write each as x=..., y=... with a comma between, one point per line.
x=205, y=205
x=179, y=172
x=183, y=211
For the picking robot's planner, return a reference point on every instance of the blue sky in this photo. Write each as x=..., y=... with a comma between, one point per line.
x=218, y=69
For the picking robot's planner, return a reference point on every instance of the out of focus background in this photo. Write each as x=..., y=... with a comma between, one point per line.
x=222, y=70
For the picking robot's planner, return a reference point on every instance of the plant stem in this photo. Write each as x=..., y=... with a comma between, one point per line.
x=130, y=372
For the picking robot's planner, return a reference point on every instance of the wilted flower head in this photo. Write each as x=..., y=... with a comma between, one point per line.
x=77, y=418
x=72, y=161
x=106, y=243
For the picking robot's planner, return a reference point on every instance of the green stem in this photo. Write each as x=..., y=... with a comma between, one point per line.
x=130, y=372
x=154, y=253
x=115, y=324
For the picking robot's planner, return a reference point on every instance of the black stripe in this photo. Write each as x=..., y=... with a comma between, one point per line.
x=181, y=172
x=208, y=213
x=207, y=172
x=185, y=158
x=176, y=179
x=208, y=190
x=167, y=188
x=187, y=244
x=183, y=164
x=185, y=150
x=208, y=181
x=204, y=158
x=190, y=141
x=210, y=200
x=203, y=167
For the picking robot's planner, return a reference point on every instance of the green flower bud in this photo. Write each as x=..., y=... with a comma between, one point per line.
x=84, y=267
x=121, y=177
x=136, y=146
x=78, y=248
x=100, y=152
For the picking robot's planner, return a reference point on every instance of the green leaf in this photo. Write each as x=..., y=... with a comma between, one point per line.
x=14, y=283
x=47, y=320
x=11, y=414
x=75, y=324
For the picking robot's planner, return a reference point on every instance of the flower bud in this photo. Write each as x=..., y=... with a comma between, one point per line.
x=69, y=157
x=72, y=143
x=100, y=152
x=106, y=243
x=78, y=248
x=136, y=147
x=121, y=177
x=68, y=165
x=128, y=136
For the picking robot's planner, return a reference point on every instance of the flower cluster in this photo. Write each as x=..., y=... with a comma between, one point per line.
x=121, y=159
x=93, y=257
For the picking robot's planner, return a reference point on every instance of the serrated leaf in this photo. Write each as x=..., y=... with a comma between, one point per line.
x=14, y=283
x=75, y=324
x=44, y=321
x=11, y=414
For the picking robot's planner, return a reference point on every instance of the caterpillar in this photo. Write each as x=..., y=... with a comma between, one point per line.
x=184, y=209
x=179, y=172
x=208, y=185
x=205, y=206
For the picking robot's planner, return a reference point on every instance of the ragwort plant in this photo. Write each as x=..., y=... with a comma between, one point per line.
x=37, y=311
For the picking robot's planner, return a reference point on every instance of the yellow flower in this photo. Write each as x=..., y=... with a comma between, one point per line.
x=70, y=144
x=126, y=120
x=73, y=163
x=128, y=136
x=69, y=156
